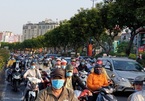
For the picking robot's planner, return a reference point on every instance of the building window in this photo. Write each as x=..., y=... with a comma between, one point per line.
x=43, y=27
x=48, y=27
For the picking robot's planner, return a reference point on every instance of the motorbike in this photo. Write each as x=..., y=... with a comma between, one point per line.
x=27, y=64
x=106, y=94
x=33, y=88
x=16, y=78
x=82, y=95
x=45, y=78
x=83, y=76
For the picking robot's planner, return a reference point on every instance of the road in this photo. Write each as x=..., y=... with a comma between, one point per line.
x=10, y=95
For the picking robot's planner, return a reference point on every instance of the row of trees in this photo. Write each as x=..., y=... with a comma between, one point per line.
x=100, y=24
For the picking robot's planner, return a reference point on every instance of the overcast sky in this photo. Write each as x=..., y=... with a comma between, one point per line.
x=15, y=13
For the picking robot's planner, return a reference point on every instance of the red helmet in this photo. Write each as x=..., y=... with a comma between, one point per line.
x=100, y=62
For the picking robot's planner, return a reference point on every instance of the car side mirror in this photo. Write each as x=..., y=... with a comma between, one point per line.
x=107, y=67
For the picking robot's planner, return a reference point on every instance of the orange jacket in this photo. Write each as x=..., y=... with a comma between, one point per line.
x=95, y=81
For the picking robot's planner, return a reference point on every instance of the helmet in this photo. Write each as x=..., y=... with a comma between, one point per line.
x=33, y=63
x=69, y=67
x=98, y=66
x=99, y=62
x=63, y=62
x=139, y=80
x=58, y=59
x=73, y=60
x=57, y=72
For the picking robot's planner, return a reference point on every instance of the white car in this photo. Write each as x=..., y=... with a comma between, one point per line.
x=125, y=71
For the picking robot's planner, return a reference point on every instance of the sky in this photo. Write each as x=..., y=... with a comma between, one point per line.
x=15, y=13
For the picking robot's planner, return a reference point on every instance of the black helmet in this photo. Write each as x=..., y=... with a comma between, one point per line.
x=33, y=62
x=139, y=80
x=98, y=66
x=69, y=67
x=57, y=72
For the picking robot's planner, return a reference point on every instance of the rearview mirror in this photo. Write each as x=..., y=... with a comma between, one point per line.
x=107, y=67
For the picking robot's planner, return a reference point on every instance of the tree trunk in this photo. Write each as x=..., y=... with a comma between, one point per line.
x=128, y=49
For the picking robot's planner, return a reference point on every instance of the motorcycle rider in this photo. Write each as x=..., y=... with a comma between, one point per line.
x=57, y=92
x=72, y=80
x=10, y=62
x=9, y=68
x=63, y=63
x=73, y=63
x=138, y=86
x=96, y=80
x=83, y=67
x=32, y=72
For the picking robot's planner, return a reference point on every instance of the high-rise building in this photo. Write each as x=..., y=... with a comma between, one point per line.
x=7, y=36
x=32, y=30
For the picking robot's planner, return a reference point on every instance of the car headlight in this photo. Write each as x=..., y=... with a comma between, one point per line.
x=121, y=79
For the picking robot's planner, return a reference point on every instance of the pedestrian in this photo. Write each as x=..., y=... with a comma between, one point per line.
x=57, y=91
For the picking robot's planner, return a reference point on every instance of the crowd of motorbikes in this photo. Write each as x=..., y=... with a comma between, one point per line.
x=22, y=64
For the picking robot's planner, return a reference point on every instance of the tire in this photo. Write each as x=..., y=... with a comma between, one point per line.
x=32, y=98
x=15, y=85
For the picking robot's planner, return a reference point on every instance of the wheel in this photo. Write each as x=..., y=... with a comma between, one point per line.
x=15, y=85
x=32, y=98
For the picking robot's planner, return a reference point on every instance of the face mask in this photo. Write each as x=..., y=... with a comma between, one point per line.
x=63, y=67
x=82, y=63
x=58, y=66
x=57, y=84
x=97, y=71
x=32, y=67
x=69, y=74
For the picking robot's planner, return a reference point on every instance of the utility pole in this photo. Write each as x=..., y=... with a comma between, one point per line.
x=93, y=2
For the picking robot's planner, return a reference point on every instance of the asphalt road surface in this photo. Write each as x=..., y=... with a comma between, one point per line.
x=10, y=95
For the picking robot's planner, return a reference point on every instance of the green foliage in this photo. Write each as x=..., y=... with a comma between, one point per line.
x=132, y=56
x=4, y=55
x=112, y=53
x=122, y=47
x=122, y=54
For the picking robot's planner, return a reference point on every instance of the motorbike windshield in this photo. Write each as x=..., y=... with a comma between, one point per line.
x=127, y=66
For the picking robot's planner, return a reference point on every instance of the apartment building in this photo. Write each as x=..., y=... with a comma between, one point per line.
x=7, y=36
x=32, y=30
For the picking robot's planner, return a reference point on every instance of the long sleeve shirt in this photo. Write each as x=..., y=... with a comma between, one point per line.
x=95, y=81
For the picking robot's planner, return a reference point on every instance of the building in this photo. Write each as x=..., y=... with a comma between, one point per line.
x=7, y=36
x=32, y=30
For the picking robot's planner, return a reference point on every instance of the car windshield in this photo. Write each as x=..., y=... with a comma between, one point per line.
x=123, y=65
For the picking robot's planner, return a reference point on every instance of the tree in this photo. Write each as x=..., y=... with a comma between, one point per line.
x=130, y=13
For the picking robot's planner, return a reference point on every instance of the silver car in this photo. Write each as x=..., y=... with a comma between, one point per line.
x=125, y=71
